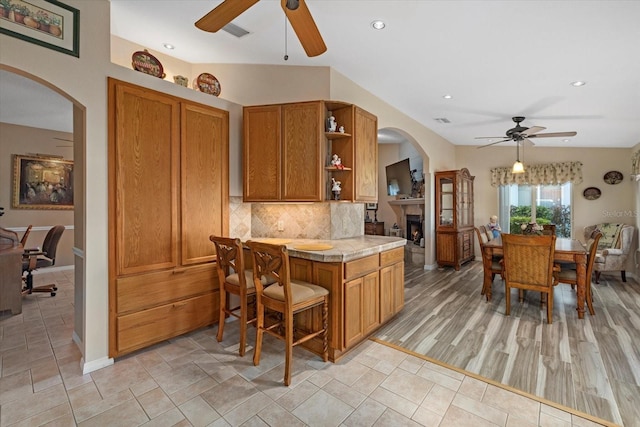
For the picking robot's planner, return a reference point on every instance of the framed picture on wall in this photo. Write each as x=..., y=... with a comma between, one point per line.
x=47, y=23
x=41, y=182
x=372, y=206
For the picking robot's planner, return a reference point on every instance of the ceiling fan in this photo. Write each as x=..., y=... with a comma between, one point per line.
x=296, y=10
x=522, y=134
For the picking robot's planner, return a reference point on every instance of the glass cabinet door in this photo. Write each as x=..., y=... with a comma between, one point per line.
x=447, y=195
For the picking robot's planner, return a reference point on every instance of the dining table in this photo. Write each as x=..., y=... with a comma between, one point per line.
x=566, y=251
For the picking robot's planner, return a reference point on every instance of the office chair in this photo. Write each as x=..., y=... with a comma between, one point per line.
x=33, y=259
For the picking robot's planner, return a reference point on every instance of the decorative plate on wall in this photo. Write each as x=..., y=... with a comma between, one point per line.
x=146, y=63
x=207, y=83
x=613, y=177
x=591, y=193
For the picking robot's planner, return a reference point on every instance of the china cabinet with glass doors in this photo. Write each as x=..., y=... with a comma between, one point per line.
x=454, y=217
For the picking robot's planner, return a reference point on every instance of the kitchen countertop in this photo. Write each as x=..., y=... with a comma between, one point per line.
x=343, y=250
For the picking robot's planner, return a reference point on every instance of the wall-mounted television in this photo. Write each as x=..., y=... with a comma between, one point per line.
x=399, y=178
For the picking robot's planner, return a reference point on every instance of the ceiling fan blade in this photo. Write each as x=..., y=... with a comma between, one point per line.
x=553, y=135
x=494, y=143
x=528, y=142
x=532, y=130
x=304, y=26
x=224, y=13
x=489, y=137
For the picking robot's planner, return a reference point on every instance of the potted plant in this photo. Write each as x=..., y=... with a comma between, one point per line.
x=19, y=13
x=5, y=8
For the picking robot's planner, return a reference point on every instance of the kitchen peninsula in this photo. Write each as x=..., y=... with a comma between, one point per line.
x=365, y=279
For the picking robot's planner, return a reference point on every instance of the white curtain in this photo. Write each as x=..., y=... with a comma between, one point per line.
x=635, y=166
x=546, y=174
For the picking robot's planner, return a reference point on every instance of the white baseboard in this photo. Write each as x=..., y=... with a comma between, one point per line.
x=52, y=269
x=94, y=365
x=430, y=266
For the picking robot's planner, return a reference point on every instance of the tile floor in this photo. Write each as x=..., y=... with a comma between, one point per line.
x=194, y=380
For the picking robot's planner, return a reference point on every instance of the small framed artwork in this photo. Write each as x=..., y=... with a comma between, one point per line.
x=47, y=23
x=372, y=206
x=41, y=182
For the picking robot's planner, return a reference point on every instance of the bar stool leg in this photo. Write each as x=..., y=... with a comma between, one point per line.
x=222, y=312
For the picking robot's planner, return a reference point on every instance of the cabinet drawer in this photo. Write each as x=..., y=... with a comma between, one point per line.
x=140, y=329
x=360, y=266
x=143, y=291
x=391, y=256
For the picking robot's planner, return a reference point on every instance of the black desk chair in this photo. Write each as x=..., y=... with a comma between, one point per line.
x=33, y=259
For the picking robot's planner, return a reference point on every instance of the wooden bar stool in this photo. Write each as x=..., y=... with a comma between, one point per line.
x=234, y=279
x=286, y=297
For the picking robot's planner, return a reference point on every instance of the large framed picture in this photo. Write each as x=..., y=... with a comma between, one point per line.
x=47, y=23
x=41, y=182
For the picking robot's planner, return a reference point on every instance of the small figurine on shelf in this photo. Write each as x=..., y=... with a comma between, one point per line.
x=332, y=125
x=336, y=162
x=341, y=129
x=335, y=189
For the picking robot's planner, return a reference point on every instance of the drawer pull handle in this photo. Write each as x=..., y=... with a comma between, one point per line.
x=179, y=304
x=179, y=270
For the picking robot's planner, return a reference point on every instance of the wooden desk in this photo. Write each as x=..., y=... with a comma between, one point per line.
x=11, y=277
x=567, y=250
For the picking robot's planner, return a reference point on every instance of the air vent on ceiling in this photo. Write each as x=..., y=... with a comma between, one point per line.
x=234, y=30
x=442, y=120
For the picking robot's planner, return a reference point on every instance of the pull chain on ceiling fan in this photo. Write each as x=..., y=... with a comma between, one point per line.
x=296, y=11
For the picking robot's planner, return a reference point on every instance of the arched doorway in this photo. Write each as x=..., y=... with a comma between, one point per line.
x=31, y=102
x=395, y=145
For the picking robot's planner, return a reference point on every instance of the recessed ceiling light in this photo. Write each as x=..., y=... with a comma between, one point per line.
x=169, y=46
x=378, y=25
x=565, y=140
x=447, y=96
x=578, y=83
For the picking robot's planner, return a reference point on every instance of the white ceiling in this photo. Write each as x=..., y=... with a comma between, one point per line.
x=497, y=59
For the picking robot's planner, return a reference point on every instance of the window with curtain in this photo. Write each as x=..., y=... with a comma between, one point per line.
x=541, y=195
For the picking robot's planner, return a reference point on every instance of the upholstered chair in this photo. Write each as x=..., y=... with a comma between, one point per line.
x=612, y=258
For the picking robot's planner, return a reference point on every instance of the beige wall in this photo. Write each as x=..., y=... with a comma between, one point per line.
x=618, y=203
x=24, y=140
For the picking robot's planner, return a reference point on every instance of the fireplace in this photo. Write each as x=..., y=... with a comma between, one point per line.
x=414, y=228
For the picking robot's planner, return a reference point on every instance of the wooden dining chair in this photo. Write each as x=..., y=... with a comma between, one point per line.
x=549, y=229
x=569, y=273
x=528, y=265
x=285, y=297
x=234, y=279
x=496, y=266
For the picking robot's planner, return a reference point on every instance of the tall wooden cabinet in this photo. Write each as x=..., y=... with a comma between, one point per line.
x=288, y=150
x=168, y=191
x=454, y=217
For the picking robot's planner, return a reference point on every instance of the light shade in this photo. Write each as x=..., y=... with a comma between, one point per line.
x=518, y=167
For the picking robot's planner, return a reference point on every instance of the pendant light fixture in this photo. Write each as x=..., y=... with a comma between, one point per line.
x=518, y=167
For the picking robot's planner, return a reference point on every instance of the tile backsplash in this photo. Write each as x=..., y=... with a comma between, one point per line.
x=295, y=220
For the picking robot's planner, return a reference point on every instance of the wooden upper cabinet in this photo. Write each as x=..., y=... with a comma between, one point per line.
x=144, y=179
x=301, y=151
x=366, y=155
x=287, y=152
x=261, y=157
x=204, y=182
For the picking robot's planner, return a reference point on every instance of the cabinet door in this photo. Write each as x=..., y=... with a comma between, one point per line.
x=398, y=287
x=386, y=293
x=204, y=180
x=366, y=156
x=446, y=247
x=301, y=151
x=370, y=302
x=143, y=176
x=261, y=157
x=353, y=311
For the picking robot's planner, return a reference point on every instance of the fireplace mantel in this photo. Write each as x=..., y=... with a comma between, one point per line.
x=402, y=202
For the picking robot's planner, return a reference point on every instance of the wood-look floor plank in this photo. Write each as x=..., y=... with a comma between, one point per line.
x=590, y=364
